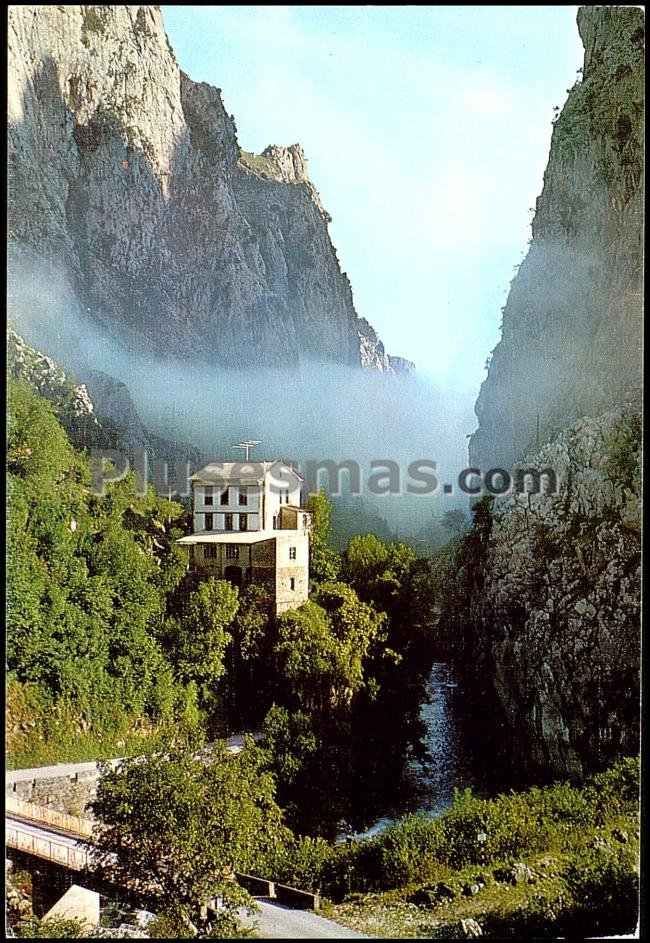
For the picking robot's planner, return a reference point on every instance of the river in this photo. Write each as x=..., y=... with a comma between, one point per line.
x=446, y=765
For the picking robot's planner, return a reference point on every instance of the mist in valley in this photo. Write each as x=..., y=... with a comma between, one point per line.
x=310, y=413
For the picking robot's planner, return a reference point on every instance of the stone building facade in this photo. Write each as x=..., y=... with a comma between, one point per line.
x=249, y=527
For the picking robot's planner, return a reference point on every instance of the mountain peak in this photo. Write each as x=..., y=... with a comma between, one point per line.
x=127, y=175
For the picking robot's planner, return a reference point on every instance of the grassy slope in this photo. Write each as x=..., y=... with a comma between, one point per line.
x=581, y=847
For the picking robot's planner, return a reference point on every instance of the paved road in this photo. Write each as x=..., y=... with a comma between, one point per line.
x=234, y=743
x=276, y=922
x=273, y=922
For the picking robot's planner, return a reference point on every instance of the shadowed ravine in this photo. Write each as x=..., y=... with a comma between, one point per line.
x=447, y=765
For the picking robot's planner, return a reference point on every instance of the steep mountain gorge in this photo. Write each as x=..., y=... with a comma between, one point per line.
x=572, y=324
x=128, y=191
x=544, y=615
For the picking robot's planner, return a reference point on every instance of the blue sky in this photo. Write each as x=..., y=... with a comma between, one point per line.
x=427, y=132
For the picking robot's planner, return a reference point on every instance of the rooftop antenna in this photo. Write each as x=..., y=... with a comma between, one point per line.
x=247, y=445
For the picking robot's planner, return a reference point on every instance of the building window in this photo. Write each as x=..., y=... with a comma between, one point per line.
x=243, y=496
x=292, y=553
x=232, y=552
x=228, y=521
x=210, y=552
x=275, y=522
x=224, y=496
x=209, y=521
x=305, y=520
x=243, y=521
x=207, y=496
x=284, y=496
x=292, y=582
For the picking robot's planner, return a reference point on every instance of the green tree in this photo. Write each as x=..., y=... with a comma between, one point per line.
x=179, y=826
x=203, y=634
x=290, y=740
x=324, y=561
x=304, y=753
x=378, y=570
x=248, y=656
x=322, y=647
x=305, y=655
x=56, y=928
x=356, y=625
x=87, y=579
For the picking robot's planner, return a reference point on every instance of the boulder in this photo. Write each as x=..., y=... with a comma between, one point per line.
x=518, y=873
x=470, y=928
x=432, y=896
x=471, y=890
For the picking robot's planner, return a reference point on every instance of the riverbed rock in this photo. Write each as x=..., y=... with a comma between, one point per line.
x=425, y=897
x=470, y=928
x=445, y=891
x=471, y=890
x=433, y=895
x=518, y=873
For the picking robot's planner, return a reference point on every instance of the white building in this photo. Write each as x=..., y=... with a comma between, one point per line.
x=249, y=527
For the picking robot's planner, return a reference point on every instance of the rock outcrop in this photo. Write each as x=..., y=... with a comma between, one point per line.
x=572, y=325
x=98, y=413
x=71, y=400
x=546, y=616
x=127, y=182
x=544, y=620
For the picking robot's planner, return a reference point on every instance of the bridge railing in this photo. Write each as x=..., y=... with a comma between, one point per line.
x=44, y=815
x=51, y=850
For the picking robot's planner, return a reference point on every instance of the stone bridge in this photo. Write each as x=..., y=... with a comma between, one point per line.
x=47, y=834
x=59, y=839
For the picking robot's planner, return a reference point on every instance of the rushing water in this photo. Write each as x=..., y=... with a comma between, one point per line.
x=446, y=765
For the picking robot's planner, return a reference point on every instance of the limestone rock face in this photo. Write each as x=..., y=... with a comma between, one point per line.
x=114, y=402
x=572, y=325
x=71, y=400
x=127, y=181
x=550, y=629
x=98, y=413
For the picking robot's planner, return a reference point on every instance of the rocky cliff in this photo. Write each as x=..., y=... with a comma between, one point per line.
x=572, y=324
x=98, y=413
x=70, y=399
x=544, y=619
x=544, y=614
x=127, y=184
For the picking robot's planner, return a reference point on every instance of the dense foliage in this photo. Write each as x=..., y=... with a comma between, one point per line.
x=177, y=827
x=347, y=674
x=114, y=648
x=87, y=583
x=548, y=861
